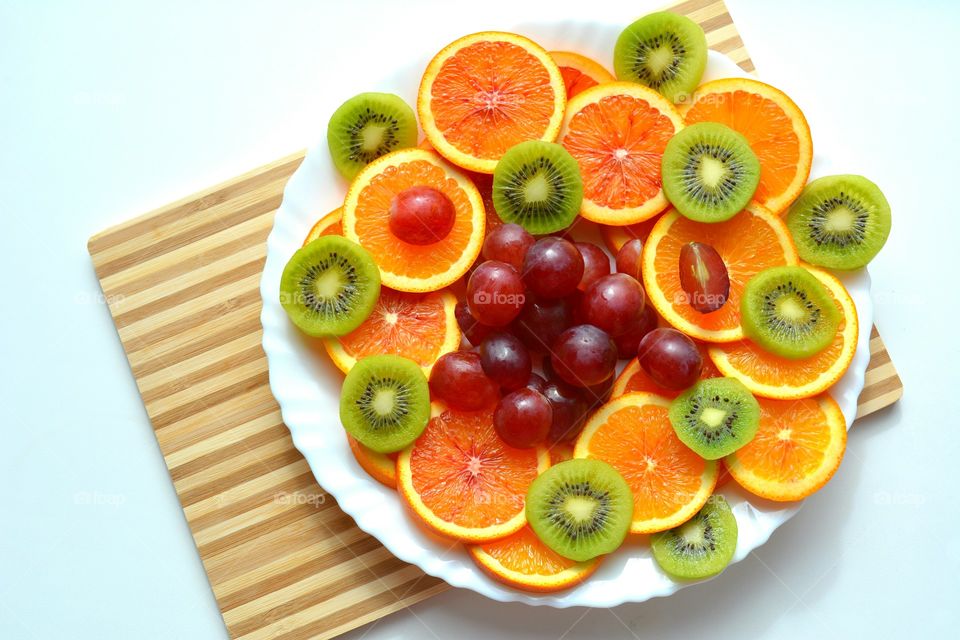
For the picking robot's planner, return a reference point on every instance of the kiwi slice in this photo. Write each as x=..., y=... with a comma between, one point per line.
x=580, y=508
x=329, y=286
x=538, y=186
x=385, y=402
x=702, y=546
x=664, y=51
x=840, y=222
x=715, y=417
x=788, y=312
x=367, y=126
x=709, y=172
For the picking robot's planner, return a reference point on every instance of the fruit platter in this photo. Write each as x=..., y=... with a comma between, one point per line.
x=574, y=317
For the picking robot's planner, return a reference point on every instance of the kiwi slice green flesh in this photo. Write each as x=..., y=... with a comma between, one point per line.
x=702, y=546
x=368, y=126
x=580, y=508
x=538, y=186
x=709, y=172
x=715, y=417
x=664, y=51
x=788, y=312
x=840, y=222
x=385, y=402
x=329, y=286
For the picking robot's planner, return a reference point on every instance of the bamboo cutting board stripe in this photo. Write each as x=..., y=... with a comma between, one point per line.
x=182, y=283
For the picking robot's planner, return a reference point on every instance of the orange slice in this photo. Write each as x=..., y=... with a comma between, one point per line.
x=617, y=133
x=382, y=467
x=796, y=451
x=773, y=125
x=410, y=267
x=774, y=377
x=521, y=560
x=634, y=378
x=580, y=72
x=418, y=326
x=486, y=92
x=463, y=480
x=616, y=237
x=749, y=242
x=669, y=481
x=328, y=225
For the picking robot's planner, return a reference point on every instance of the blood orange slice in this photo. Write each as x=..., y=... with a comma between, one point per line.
x=580, y=72
x=773, y=125
x=521, y=560
x=617, y=133
x=382, y=467
x=418, y=326
x=463, y=480
x=796, y=451
x=328, y=225
x=774, y=377
x=634, y=378
x=669, y=481
x=749, y=242
x=410, y=267
x=484, y=93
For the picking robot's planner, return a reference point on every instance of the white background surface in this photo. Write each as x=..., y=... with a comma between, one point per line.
x=108, y=110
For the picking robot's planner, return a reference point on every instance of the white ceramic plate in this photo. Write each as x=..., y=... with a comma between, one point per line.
x=307, y=385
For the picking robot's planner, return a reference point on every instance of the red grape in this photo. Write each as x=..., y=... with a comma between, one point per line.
x=629, y=341
x=613, y=303
x=553, y=267
x=596, y=264
x=458, y=379
x=536, y=382
x=703, y=276
x=598, y=394
x=569, y=411
x=473, y=330
x=584, y=355
x=542, y=321
x=628, y=258
x=508, y=243
x=670, y=358
x=523, y=418
x=495, y=293
x=505, y=360
x=421, y=215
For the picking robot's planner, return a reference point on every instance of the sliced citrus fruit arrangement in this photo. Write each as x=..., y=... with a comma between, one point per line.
x=580, y=72
x=418, y=326
x=797, y=449
x=634, y=378
x=463, y=481
x=617, y=133
x=772, y=376
x=328, y=225
x=669, y=481
x=382, y=467
x=748, y=243
x=773, y=125
x=367, y=214
x=521, y=560
x=486, y=92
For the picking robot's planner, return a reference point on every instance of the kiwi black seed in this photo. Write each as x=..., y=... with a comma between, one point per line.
x=538, y=186
x=701, y=547
x=840, y=222
x=329, y=286
x=664, y=51
x=709, y=172
x=715, y=417
x=385, y=402
x=788, y=312
x=580, y=508
x=368, y=126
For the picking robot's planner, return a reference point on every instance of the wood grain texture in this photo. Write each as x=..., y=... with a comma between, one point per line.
x=182, y=284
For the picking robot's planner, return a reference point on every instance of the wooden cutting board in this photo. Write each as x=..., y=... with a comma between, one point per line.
x=182, y=285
